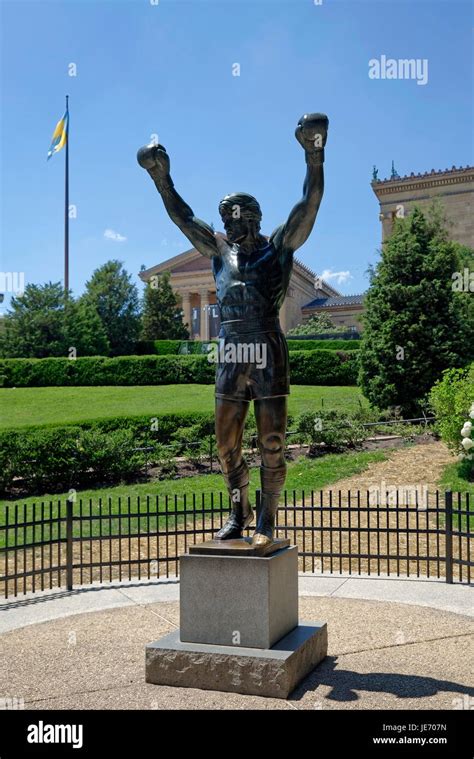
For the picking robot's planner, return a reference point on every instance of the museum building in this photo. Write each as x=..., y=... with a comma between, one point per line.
x=192, y=280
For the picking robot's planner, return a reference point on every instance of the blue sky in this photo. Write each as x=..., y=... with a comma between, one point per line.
x=166, y=69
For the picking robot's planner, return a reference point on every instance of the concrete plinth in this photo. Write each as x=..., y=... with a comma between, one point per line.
x=246, y=601
x=273, y=672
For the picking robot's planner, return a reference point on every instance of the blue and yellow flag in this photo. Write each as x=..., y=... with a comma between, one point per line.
x=59, y=135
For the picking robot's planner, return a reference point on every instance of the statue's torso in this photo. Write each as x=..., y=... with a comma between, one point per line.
x=251, y=286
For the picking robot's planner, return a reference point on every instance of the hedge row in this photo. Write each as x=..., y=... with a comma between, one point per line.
x=319, y=367
x=198, y=347
x=56, y=458
x=172, y=347
x=66, y=457
x=99, y=370
x=160, y=347
x=332, y=345
x=60, y=457
x=145, y=427
x=323, y=367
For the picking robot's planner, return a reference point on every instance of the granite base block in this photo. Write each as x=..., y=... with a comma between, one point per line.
x=247, y=601
x=273, y=672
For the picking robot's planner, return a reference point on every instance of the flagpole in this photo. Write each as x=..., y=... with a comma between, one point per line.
x=66, y=209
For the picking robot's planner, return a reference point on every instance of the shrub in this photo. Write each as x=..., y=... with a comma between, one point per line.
x=9, y=444
x=66, y=457
x=452, y=400
x=48, y=458
x=193, y=441
x=332, y=428
x=160, y=347
x=316, y=324
x=111, y=456
x=312, y=345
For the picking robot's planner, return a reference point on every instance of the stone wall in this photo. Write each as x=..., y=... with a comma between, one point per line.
x=454, y=190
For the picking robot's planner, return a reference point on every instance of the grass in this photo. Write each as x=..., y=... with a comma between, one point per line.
x=23, y=407
x=304, y=474
x=454, y=478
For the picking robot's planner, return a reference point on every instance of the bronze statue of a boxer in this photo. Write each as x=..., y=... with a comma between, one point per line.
x=252, y=276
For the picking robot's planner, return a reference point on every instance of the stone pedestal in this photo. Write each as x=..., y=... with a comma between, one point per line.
x=273, y=672
x=239, y=628
x=238, y=601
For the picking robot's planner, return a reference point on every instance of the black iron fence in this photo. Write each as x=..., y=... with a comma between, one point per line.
x=401, y=533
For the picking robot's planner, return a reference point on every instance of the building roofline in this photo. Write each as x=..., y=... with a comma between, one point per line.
x=348, y=302
x=454, y=170
x=192, y=253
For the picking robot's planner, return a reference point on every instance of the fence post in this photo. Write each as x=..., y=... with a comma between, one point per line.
x=448, y=501
x=69, y=508
x=210, y=451
x=258, y=498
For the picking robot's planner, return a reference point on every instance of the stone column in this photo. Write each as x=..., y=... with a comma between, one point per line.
x=204, y=315
x=187, y=317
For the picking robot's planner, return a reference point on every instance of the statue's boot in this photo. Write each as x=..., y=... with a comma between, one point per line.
x=241, y=515
x=272, y=481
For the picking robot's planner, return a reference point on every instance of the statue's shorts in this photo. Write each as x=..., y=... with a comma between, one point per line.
x=252, y=360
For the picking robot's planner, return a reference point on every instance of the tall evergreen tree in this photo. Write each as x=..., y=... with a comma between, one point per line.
x=83, y=329
x=414, y=325
x=113, y=295
x=162, y=318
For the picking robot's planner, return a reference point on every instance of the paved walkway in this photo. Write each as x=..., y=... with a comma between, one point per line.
x=393, y=644
x=34, y=608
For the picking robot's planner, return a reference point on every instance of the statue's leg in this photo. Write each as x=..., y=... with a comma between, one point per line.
x=271, y=417
x=230, y=422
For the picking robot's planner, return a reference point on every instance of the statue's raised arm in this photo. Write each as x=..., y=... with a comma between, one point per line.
x=155, y=160
x=311, y=132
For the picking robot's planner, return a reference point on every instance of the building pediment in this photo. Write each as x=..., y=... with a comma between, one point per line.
x=192, y=261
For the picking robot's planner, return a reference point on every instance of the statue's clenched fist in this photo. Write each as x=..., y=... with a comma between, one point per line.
x=155, y=160
x=312, y=130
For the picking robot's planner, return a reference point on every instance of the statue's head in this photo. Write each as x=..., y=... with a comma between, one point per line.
x=240, y=215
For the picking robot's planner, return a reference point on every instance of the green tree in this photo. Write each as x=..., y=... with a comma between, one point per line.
x=317, y=324
x=463, y=286
x=111, y=292
x=452, y=400
x=161, y=318
x=414, y=325
x=43, y=322
x=84, y=330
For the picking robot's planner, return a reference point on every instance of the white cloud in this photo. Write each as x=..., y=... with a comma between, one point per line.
x=339, y=276
x=109, y=234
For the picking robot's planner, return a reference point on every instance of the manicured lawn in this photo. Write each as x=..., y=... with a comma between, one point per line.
x=22, y=407
x=454, y=479
x=303, y=474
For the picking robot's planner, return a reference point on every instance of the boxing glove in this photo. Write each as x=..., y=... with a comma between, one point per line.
x=311, y=133
x=155, y=160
